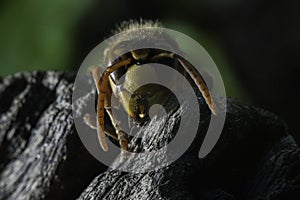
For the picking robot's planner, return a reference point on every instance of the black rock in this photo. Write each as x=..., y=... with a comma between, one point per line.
x=42, y=157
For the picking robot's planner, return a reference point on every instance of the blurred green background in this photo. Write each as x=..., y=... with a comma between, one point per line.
x=37, y=35
x=41, y=35
x=255, y=43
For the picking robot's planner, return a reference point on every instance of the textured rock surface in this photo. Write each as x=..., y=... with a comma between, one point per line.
x=41, y=156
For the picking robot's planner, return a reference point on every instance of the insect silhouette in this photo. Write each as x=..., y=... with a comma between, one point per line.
x=121, y=64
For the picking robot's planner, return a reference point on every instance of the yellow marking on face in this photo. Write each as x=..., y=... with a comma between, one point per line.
x=138, y=75
x=140, y=54
x=142, y=115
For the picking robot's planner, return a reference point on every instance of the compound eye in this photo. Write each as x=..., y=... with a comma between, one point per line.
x=150, y=94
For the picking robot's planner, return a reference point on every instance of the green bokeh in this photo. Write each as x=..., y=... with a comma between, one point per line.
x=41, y=35
x=38, y=35
x=211, y=45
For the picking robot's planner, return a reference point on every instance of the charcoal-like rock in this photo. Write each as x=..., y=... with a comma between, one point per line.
x=42, y=157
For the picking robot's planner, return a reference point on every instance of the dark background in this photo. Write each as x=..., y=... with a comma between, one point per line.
x=254, y=43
